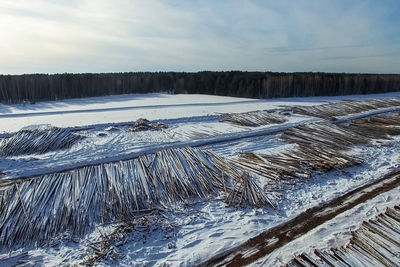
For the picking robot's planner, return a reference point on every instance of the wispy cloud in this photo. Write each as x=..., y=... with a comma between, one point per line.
x=285, y=49
x=360, y=56
x=125, y=35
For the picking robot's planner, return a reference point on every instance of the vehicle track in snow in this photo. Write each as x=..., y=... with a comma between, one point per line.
x=60, y=112
x=276, y=237
x=193, y=119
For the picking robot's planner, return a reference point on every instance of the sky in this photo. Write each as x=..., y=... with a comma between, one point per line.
x=57, y=36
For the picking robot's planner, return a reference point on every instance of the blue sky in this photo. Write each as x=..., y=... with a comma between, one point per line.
x=52, y=36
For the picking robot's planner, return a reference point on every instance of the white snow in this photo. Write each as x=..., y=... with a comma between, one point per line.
x=206, y=228
x=122, y=108
x=333, y=233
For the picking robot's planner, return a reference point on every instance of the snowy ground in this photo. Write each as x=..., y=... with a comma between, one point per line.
x=194, y=232
x=125, y=108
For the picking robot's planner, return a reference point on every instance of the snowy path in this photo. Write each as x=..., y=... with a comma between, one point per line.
x=99, y=110
x=125, y=108
x=280, y=235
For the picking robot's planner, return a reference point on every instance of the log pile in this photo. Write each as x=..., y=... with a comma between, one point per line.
x=37, y=209
x=323, y=135
x=319, y=147
x=375, y=243
x=196, y=131
x=245, y=191
x=376, y=127
x=38, y=141
x=299, y=163
x=253, y=118
x=327, y=111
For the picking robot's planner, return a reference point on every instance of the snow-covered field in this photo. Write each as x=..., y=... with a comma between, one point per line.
x=190, y=234
x=126, y=108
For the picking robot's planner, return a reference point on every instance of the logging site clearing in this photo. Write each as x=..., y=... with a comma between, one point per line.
x=178, y=180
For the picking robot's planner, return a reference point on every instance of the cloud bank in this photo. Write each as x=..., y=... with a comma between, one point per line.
x=50, y=36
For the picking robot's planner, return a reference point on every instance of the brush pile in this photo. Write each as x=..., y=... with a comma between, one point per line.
x=146, y=125
x=38, y=140
x=327, y=111
x=253, y=118
x=375, y=243
x=106, y=246
x=39, y=208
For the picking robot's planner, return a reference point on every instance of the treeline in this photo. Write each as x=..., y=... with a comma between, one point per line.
x=39, y=87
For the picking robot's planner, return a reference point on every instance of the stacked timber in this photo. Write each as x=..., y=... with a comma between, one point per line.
x=343, y=108
x=253, y=118
x=375, y=243
x=39, y=208
x=38, y=140
x=299, y=163
x=319, y=147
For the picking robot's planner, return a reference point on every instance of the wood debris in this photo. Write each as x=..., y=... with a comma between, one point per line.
x=106, y=247
x=146, y=125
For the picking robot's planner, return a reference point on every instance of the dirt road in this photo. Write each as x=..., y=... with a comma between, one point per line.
x=282, y=234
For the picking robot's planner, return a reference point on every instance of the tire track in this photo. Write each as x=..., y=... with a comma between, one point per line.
x=62, y=112
x=278, y=236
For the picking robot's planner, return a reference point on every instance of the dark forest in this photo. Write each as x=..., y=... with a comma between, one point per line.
x=40, y=87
